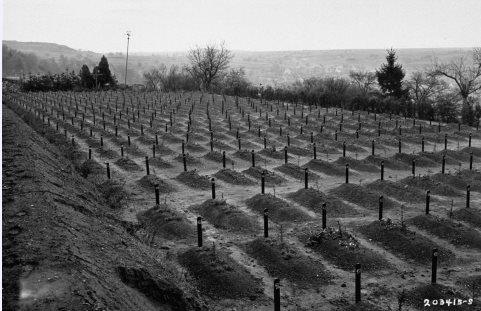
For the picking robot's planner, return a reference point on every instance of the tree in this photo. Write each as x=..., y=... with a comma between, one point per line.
x=390, y=76
x=364, y=80
x=446, y=109
x=86, y=78
x=173, y=79
x=235, y=83
x=152, y=79
x=104, y=74
x=466, y=77
x=208, y=64
x=423, y=89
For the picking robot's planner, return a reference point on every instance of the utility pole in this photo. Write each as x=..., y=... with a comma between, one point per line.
x=128, y=33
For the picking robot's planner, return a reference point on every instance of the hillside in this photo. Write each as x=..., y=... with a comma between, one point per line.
x=62, y=249
x=269, y=68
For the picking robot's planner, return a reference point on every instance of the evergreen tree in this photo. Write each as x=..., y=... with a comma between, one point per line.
x=390, y=76
x=105, y=76
x=86, y=78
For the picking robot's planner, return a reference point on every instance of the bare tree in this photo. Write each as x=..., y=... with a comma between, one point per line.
x=423, y=89
x=152, y=79
x=208, y=64
x=465, y=75
x=364, y=80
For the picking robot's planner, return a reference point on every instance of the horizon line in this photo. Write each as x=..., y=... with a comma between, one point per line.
x=250, y=51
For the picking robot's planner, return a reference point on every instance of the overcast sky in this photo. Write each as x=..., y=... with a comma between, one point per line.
x=176, y=25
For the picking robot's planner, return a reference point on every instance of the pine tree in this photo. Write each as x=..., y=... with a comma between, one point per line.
x=390, y=76
x=105, y=76
x=86, y=78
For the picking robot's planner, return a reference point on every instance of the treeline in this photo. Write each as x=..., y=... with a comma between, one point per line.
x=446, y=92
x=100, y=78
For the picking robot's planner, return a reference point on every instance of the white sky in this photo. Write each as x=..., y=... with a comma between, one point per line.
x=176, y=25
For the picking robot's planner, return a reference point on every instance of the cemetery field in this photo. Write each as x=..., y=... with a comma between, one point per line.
x=191, y=201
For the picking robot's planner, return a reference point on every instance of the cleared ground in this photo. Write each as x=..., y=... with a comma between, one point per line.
x=316, y=266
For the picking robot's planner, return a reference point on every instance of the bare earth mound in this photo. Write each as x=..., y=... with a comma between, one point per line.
x=388, y=163
x=164, y=221
x=405, y=242
x=150, y=181
x=194, y=180
x=342, y=249
x=326, y=167
x=357, y=165
x=216, y=156
x=470, y=215
x=283, y=261
x=296, y=172
x=233, y=177
x=421, y=161
x=400, y=191
x=361, y=196
x=271, y=177
x=218, y=276
x=455, y=233
x=225, y=216
x=278, y=209
x=431, y=183
x=128, y=164
x=313, y=199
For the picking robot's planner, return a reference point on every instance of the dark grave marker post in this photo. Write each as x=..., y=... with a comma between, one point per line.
x=199, y=231
x=266, y=223
x=277, y=295
x=147, y=168
x=306, y=178
x=285, y=155
x=157, y=198
x=382, y=170
x=263, y=182
x=381, y=205
x=358, y=283
x=213, y=188
x=428, y=198
x=347, y=173
x=324, y=220
x=468, y=195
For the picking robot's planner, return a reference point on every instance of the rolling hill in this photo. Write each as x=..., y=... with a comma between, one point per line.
x=268, y=68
